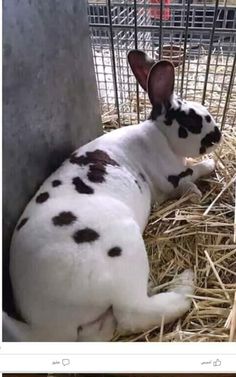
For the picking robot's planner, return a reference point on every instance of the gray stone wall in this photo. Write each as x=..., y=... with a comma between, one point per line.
x=50, y=104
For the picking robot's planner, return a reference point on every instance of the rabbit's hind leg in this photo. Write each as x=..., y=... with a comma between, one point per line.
x=140, y=312
x=100, y=330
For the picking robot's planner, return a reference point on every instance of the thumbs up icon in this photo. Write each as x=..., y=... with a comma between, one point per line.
x=217, y=363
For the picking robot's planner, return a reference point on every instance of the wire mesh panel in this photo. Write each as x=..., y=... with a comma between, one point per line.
x=198, y=36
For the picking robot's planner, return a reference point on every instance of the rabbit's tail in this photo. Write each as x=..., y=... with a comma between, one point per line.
x=14, y=330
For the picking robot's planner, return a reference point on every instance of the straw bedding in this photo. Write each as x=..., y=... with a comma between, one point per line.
x=202, y=236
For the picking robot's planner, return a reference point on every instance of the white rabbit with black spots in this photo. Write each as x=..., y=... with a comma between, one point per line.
x=78, y=262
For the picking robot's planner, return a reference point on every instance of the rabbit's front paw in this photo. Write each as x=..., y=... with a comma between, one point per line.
x=208, y=165
x=189, y=188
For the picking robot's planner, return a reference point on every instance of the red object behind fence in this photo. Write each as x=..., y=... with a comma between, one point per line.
x=155, y=11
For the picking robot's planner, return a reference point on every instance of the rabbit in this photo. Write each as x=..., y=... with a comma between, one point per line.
x=78, y=263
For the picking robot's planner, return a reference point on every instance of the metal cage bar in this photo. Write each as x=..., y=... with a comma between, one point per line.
x=160, y=31
x=209, y=53
x=185, y=47
x=228, y=92
x=136, y=46
x=113, y=60
x=202, y=34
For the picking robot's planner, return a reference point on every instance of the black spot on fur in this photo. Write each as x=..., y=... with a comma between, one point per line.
x=210, y=139
x=208, y=118
x=174, y=179
x=114, y=252
x=79, y=160
x=22, y=223
x=97, y=173
x=74, y=158
x=41, y=198
x=182, y=133
x=97, y=161
x=85, y=235
x=97, y=156
x=137, y=183
x=56, y=183
x=64, y=218
x=191, y=122
x=179, y=102
x=81, y=187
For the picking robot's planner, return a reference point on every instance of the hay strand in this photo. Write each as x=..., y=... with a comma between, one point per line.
x=232, y=335
x=219, y=195
x=216, y=274
x=235, y=214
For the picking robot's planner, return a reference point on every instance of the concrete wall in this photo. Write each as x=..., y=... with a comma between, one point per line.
x=50, y=103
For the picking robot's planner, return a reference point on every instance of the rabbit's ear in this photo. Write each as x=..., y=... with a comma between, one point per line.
x=140, y=64
x=160, y=83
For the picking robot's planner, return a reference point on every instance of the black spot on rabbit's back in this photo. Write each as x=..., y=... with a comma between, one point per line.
x=114, y=252
x=97, y=156
x=81, y=187
x=174, y=179
x=97, y=161
x=22, y=223
x=97, y=173
x=73, y=158
x=41, y=198
x=85, y=235
x=56, y=182
x=64, y=218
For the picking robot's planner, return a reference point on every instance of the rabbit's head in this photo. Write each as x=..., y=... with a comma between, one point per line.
x=189, y=127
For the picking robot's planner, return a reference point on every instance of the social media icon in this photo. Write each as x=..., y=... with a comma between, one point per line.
x=65, y=362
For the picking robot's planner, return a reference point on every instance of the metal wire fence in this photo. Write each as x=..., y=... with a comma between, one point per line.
x=197, y=35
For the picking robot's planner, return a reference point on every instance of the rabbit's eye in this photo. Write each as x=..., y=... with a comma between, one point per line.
x=208, y=118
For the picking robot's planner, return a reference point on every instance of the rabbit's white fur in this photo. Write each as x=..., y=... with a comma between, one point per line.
x=68, y=290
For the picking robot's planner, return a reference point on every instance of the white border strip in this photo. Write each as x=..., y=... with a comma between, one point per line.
x=117, y=364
